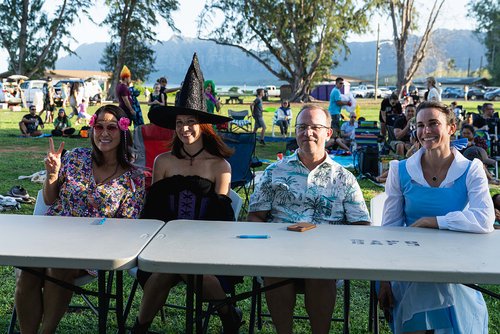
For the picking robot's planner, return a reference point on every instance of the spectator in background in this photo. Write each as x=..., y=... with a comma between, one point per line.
x=390, y=109
x=348, y=129
x=213, y=103
x=496, y=204
x=469, y=132
x=156, y=98
x=64, y=94
x=434, y=93
x=134, y=93
x=75, y=95
x=82, y=113
x=30, y=122
x=481, y=122
x=62, y=125
x=163, y=88
x=283, y=117
x=476, y=152
x=336, y=103
x=403, y=126
x=48, y=101
x=257, y=113
x=123, y=93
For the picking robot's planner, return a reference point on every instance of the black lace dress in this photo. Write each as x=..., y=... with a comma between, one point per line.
x=185, y=197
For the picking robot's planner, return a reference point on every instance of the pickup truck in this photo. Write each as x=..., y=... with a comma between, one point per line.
x=271, y=91
x=33, y=93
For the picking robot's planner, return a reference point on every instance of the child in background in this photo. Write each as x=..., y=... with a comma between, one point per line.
x=82, y=113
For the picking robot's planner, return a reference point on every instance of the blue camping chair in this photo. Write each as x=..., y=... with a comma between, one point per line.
x=241, y=162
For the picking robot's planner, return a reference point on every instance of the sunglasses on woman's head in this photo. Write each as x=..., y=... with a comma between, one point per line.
x=111, y=128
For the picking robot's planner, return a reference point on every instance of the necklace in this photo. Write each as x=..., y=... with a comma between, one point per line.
x=109, y=177
x=191, y=157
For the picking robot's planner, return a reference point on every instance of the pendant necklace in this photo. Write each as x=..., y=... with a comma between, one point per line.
x=191, y=157
x=109, y=177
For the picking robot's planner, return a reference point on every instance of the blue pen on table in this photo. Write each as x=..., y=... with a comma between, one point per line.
x=99, y=221
x=253, y=236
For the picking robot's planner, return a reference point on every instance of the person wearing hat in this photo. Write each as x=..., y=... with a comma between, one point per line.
x=437, y=187
x=123, y=93
x=62, y=125
x=190, y=182
x=476, y=152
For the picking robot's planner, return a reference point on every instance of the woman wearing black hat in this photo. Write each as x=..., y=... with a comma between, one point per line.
x=190, y=182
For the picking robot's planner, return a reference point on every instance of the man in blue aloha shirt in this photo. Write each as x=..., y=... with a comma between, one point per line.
x=307, y=186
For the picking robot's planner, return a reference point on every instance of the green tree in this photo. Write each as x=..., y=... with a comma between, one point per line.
x=32, y=38
x=132, y=24
x=294, y=40
x=487, y=15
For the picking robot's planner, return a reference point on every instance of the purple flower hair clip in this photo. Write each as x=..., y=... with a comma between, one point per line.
x=92, y=120
x=123, y=123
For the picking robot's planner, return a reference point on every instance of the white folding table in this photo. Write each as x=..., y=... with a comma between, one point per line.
x=77, y=243
x=326, y=252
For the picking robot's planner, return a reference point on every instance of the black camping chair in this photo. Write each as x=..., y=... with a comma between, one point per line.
x=242, y=162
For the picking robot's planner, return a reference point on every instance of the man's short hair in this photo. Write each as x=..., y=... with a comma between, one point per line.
x=486, y=104
x=32, y=107
x=315, y=106
x=259, y=90
x=339, y=79
x=394, y=96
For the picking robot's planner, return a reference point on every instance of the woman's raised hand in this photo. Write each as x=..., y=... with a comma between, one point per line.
x=53, y=159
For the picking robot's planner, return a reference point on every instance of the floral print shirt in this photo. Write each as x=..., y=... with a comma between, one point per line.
x=329, y=194
x=80, y=196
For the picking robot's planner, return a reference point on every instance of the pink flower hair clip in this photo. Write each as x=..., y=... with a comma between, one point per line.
x=123, y=123
x=92, y=120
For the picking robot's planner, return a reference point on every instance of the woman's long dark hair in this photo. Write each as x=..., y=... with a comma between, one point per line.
x=64, y=117
x=124, y=155
x=212, y=143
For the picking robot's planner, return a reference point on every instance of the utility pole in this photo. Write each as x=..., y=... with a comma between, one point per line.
x=468, y=69
x=377, y=61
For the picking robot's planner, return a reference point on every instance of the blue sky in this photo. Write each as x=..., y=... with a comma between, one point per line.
x=453, y=16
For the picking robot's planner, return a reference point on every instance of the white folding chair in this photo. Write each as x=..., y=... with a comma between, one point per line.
x=377, y=208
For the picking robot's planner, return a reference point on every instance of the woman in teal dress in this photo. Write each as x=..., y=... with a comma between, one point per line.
x=436, y=188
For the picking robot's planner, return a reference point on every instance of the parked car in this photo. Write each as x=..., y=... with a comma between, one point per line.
x=452, y=93
x=475, y=94
x=33, y=93
x=493, y=95
x=362, y=91
x=92, y=91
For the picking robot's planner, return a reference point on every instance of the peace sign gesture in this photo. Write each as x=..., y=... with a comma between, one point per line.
x=53, y=159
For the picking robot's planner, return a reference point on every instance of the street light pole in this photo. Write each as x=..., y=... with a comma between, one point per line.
x=377, y=61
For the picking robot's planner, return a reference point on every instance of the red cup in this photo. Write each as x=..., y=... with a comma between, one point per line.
x=279, y=155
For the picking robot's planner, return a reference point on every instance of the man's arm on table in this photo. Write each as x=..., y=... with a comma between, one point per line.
x=258, y=216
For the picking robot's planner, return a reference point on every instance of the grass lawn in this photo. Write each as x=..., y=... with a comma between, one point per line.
x=24, y=156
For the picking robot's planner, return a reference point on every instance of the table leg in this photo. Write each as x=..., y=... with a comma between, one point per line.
x=189, y=304
x=199, y=304
x=119, y=302
x=101, y=283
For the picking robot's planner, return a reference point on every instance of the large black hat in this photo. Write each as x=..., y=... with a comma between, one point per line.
x=191, y=101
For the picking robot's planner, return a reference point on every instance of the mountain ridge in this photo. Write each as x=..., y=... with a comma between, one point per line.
x=231, y=66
